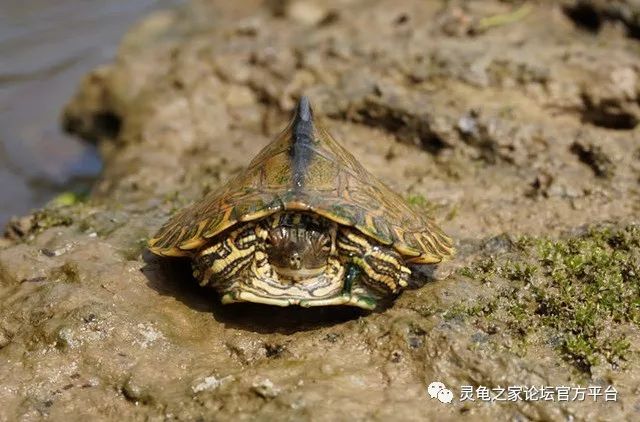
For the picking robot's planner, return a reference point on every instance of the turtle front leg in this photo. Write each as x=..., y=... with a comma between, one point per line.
x=373, y=271
x=238, y=267
x=221, y=263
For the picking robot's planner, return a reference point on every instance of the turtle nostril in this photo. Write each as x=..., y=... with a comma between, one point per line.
x=295, y=261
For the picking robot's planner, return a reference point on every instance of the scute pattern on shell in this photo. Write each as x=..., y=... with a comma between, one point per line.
x=336, y=187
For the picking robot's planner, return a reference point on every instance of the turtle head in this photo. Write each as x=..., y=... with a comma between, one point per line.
x=298, y=252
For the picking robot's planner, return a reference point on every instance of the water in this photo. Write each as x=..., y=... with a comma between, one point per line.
x=46, y=47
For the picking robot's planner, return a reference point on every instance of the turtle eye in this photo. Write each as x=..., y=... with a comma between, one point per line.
x=324, y=244
x=274, y=238
x=268, y=242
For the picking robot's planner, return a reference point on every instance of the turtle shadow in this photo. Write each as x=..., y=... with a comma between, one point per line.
x=265, y=319
x=422, y=275
x=173, y=277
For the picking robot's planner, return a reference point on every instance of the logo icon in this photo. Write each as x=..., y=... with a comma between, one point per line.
x=445, y=395
x=438, y=390
x=434, y=388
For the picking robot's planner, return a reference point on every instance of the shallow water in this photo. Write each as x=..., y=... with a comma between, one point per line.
x=46, y=47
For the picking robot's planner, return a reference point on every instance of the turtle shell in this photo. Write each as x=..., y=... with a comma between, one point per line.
x=305, y=169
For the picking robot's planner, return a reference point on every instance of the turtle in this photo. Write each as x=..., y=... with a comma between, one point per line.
x=305, y=224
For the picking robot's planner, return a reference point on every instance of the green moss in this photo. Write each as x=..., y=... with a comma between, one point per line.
x=47, y=218
x=522, y=271
x=69, y=198
x=482, y=270
x=417, y=200
x=41, y=220
x=420, y=203
x=583, y=290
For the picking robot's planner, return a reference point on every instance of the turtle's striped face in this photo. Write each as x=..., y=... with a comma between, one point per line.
x=298, y=245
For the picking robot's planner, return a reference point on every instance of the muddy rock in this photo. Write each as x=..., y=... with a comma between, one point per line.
x=511, y=124
x=592, y=15
x=593, y=156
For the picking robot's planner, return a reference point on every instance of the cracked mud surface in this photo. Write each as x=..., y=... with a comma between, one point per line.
x=514, y=125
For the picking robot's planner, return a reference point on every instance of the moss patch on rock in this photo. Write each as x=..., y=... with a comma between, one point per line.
x=24, y=227
x=581, y=292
